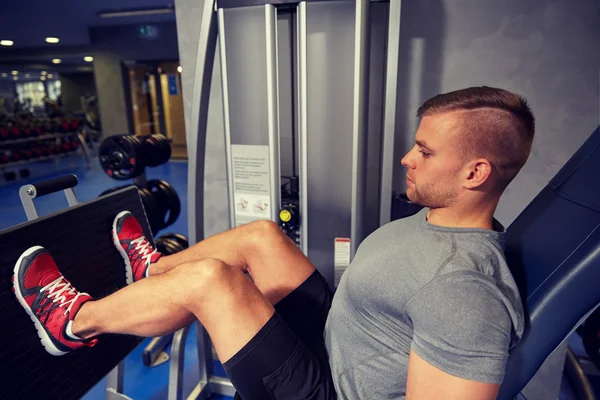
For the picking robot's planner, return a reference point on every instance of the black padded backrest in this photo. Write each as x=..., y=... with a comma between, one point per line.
x=79, y=239
x=553, y=250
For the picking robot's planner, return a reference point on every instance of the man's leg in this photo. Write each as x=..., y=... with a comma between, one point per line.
x=259, y=351
x=221, y=297
x=274, y=262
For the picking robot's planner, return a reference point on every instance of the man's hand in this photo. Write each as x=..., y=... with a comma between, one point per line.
x=426, y=382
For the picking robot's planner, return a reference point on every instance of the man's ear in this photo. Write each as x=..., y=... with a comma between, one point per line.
x=477, y=173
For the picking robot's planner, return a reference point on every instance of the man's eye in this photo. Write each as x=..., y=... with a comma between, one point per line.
x=424, y=154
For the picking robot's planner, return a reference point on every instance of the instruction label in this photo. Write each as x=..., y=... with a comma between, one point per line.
x=251, y=183
x=341, y=258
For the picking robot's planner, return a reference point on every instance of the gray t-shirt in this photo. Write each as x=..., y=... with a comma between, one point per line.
x=445, y=293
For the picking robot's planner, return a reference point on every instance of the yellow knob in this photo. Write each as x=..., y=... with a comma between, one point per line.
x=285, y=215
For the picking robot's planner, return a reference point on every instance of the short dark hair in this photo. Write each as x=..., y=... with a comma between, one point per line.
x=498, y=125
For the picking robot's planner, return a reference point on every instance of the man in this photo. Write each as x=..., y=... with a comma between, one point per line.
x=428, y=308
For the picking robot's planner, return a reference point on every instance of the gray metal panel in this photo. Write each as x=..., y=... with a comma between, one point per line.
x=330, y=55
x=389, y=130
x=196, y=135
x=250, y=86
x=246, y=55
x=176, y=364
x=115, y=380
x=226, y=118
x=246, y=3
x=379, y=32
x=360, y=121
x=285, y=48
x=273, y=107
x=301, y=102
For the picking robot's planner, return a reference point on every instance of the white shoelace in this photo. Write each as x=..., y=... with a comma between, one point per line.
x=56, y=292
x=143, y=246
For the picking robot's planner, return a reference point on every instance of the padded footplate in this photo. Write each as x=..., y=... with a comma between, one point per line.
x=79, y=238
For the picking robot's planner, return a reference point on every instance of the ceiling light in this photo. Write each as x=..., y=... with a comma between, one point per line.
x=27, y=76
x=43, y=78
x=15, y=78
x=50, y=76
x=135, y=12
x=88, y=58
x=43, y=72
x=4, y=75
x=6, y=42
x=179, y=69
x=52, y=40
x=14, y=72
x=56, y=61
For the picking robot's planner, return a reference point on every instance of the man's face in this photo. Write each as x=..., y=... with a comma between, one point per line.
x=434, y=162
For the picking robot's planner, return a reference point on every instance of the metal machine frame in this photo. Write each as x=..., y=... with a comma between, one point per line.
x=212, y=31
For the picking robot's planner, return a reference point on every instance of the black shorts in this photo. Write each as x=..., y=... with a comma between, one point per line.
x=287, y=358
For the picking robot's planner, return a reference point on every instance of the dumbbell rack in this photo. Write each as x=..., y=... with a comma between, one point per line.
x=76, y=135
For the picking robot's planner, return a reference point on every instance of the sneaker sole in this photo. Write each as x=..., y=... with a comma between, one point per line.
x=41, y=331
x=117, y=243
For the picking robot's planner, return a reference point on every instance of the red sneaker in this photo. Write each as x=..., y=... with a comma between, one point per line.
x=50, y=300
x=136, y=250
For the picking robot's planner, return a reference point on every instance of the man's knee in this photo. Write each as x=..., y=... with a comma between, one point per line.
x=205, y=274
x=263, y=231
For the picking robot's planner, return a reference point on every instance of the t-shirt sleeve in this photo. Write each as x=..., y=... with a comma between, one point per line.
x=462, y=326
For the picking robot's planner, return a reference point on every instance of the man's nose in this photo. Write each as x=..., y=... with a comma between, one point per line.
x=408, y=160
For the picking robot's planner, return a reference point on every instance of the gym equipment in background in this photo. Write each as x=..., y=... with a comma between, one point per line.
x=26, y=139
x=161, y=202
x=126, y=156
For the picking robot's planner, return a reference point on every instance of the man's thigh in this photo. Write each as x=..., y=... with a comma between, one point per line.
x=277, y=365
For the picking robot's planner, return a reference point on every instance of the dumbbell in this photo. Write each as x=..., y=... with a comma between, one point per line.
x=37, y=128
x=171, y=243
x=14, y=130
x=4, y=134
x=64, y=126
x=126, y=156
x=5, y=157
x=75, y=123
x=26, y=130
x=16, y=154
x=65, y=145
x=162, y=205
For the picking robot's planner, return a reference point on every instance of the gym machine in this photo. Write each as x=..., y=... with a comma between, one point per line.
x=332, y=195
x=273, y=56
x=331, y=90
x=29, y=371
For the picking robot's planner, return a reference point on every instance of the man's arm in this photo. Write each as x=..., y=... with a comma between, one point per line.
x=463, y=327
x=426, y=382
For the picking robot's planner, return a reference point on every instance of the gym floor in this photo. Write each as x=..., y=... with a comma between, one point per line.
x=142, y=382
